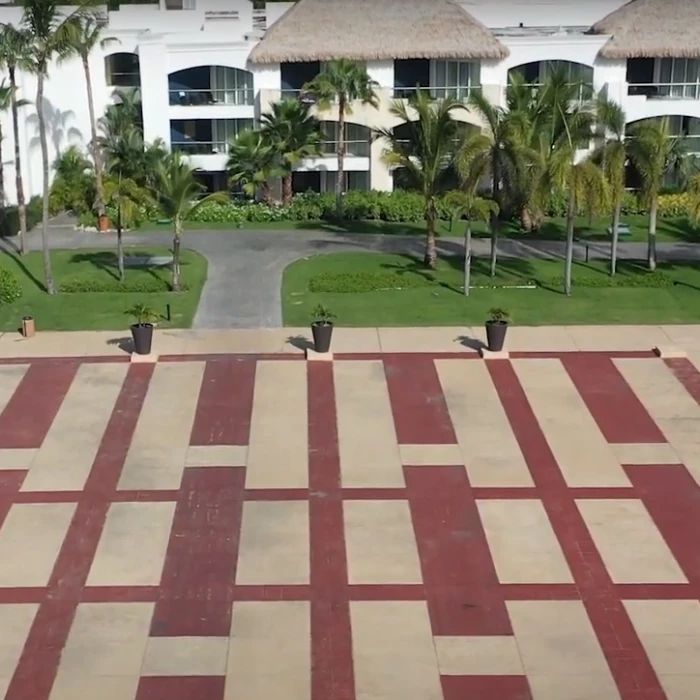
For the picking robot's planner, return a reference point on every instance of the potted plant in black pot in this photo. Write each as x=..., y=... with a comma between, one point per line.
x=496, y=328
x=322, y=328
x=142, y=328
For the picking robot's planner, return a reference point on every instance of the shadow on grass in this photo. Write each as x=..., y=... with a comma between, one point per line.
x=17, y=260
x=106, y=261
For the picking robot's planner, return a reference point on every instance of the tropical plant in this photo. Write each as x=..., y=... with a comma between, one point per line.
x=51, y=29
x=13, y=55
x=142, y=314
x=177, y=192
x=653, y=151
x=498, y=314
x=343, y=82
x=73, y=186
x=252, y=162
x=694, y=200
x=428, y=153
x=294, y=135
x=322, y=315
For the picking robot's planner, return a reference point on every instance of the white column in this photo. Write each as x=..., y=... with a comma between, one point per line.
x=154, y=91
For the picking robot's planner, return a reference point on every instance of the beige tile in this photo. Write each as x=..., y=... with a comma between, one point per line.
x=680, y=687
x=369, y=453
x=345, y=340
x=10, y=377
x=17, y=458
x=556, y=638
x=595, y=687
x=125, y=556
x=270, y=652
x=523, y=545
x=621, y=338
x=236, y=341
x=44, y=525
x=638, y=453
x=216, y=456
x=274, y=545
x=67, y=455
x=686, y=337
x=539, y=339
x=478, y=656
x=431, y=455
x=681, y=617
x=673, y=654
x=490, y=450
x=15, y=622
x=629, y=543
x=393, y=651
x=156, y=456
x=426, y=339
x=580, y=449
x=278, y=445
x=79, y=686
x=185, y=656
x=380, y=542
x=106, y=639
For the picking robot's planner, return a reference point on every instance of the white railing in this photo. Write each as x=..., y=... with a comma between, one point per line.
x=200, y=148
x=665, y=91
x=437, y=93
x=189, y=98
x=357, y=149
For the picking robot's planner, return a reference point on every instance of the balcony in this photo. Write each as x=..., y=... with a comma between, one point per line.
x=665, y=91
x=207, y=97
x=211, y=86
x=206, y=141
x=437, y=93
x=201, y=148
x=439, y=79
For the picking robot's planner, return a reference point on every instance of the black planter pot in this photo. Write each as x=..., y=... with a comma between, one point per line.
x=322, y=332
x=496, y=334
x=142, y=334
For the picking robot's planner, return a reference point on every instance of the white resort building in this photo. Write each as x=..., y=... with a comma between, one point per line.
x=207, y=69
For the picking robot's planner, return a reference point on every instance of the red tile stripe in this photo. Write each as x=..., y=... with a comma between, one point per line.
x=420, y=411
x=331, y=637
x=687, y=374
x=181, y=688
x=225, y=403
x=37, y=666
x=35, y=403
x=628, y=662
x=486, y=688
x=616, y=409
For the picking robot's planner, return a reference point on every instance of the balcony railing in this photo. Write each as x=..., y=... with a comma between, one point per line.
x=357, y=149
x=124, y=80
x=585, y=90
x=201, y=148
x=666, y=91
x=190, y=98
x=436, y=93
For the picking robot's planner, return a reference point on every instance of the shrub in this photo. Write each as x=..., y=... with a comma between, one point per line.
x=352, y=282
x=142, y=285
x=674, y=205
x=9, y=217
x=655, y=280
x=10, y=288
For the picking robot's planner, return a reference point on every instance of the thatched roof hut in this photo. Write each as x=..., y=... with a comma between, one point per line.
x=652, y=29
x=366, y=30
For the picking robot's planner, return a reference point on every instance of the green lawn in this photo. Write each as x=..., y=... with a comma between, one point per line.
x=443, y=303
x=672, y=229
x=98, y=310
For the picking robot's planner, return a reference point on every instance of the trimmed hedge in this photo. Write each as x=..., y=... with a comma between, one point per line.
x=353, y=282
x=650, y=280
x=10, y=287
x=9, y=217
x=141, y=285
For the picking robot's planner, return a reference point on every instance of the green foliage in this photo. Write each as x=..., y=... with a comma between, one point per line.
x=94, y=284
x=9, y=217
x=650, y=280
x=498, y=314
x=354, y=282
x=10, y=287
x=321, y=314
x=141, y=313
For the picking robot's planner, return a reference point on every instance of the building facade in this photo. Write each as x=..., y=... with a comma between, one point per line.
x=207, y=69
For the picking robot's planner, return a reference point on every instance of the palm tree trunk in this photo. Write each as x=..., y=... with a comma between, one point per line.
x=2, y=176
x=41, y=117
x=467, y=257
x=430, y=258
x=341, y=158
x=651, y=252
x=287, y=189
x=176, y=256
x=266, y=192
x=96, y=154
x=615, y=237
x=570, y=213
x=495, y=223
x=120, y=246
x=21, y=206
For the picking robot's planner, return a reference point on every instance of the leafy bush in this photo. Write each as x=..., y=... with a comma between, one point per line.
x=9, y=217
x=674, y=205
x=352, y=282
x=143, y=285
x=10, y=288
x=655, y=280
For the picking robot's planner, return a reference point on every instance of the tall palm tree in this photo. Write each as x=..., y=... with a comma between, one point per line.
x=294, y=134
x=611, y=155
x=653, y=150
x=252, y=162
x=13, y=55
x=87, y=34
x=429, y=153
x=179, y=197
x=5, y=105
x=51, y=31
x=343, y=81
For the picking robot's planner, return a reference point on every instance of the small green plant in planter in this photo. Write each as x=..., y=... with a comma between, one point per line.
x=142, y=328
x=496, y=328
x=322, y=328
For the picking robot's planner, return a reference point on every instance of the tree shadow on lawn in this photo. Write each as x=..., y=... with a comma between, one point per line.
x=107, y=262
x=17, y=260
x=389, y=228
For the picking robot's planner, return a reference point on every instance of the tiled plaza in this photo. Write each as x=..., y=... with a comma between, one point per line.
x=386, y=526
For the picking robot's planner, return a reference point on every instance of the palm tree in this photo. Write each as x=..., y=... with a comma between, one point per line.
x=51, y=31
x=252, y=162
x=343, y=81
x=429, y=153
x=694, y=204
x=13, y=55
x=611, y=155
x=180, y=196
x=5, y=104
x=294, y=134
x=653, y=151
x=87, y=35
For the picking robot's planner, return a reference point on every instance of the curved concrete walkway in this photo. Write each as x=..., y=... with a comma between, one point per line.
x=246, y=266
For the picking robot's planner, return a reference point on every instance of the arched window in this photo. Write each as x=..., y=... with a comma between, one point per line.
x=211, y=85
x=537, y=73
x=122, y=70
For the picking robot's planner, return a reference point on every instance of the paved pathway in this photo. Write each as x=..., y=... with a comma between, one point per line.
x=394, y=526
x=245, y=267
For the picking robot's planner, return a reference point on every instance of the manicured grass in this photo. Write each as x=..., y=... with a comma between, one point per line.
x=445, y=304
x=672, y=229
x=98, y=310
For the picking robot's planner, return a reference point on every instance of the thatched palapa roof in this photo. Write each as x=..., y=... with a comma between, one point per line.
x=651, y=29
x=366, y=30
